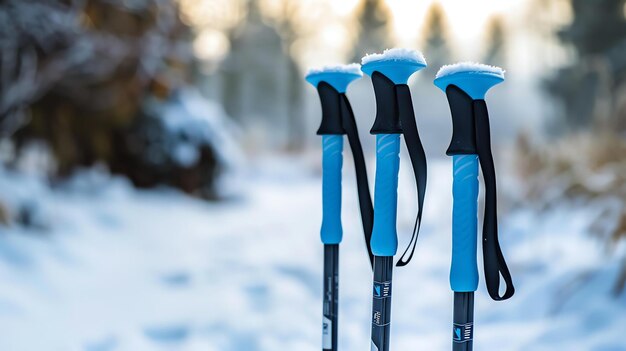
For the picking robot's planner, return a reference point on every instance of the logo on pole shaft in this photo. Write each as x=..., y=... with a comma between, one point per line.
x=462, y=332
x=382, y=290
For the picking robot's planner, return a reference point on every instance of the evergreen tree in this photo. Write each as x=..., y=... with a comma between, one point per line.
x=436, y=38
x=373, y=20
x=598, y=35
x=256, y=78
x=597, y=26
x=495, y=53
x=291, y=28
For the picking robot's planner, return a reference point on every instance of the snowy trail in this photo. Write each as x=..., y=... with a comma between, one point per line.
x=154, y=270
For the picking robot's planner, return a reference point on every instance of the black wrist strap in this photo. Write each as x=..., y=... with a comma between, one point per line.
x=418, y=162
x=365, y=199
x=494, y=262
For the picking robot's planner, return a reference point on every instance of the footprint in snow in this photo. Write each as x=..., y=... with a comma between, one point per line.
x=176, y=279
x=106, y=344
x=303, y=276
x=167, y=333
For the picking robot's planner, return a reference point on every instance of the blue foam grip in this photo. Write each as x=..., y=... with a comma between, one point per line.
x=332, y=161
x=384, y=236
x=464, y=269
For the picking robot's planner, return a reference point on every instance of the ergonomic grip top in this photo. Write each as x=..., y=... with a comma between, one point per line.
x=465, y=85
x=332, y=161
x=464, y=268
x=331, y=84
x=474, y=79
x=390, y=72
x=338, y=119
x=384, y=236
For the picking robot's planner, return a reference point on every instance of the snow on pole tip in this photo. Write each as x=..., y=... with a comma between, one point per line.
x=353, y=68
x=395, y=54
x=469, y=67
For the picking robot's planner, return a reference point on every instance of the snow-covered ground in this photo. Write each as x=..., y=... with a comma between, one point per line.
x=113, y=268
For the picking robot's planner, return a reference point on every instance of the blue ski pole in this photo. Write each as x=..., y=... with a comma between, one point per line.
x=337, y=120
x=394, y=116
x=465, y=85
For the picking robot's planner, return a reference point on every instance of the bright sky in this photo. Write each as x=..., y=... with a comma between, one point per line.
x=466, y=20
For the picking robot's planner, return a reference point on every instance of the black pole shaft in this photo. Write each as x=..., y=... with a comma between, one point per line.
x=381, y=306
x=463, y=321
x=331, y=297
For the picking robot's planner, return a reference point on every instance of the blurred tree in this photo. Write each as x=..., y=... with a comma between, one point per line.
x=496, y=50
x=591, y=89
x=373, y=18
x=291, y=26
x=256, y=78
x=436, y=38
x=77, y=74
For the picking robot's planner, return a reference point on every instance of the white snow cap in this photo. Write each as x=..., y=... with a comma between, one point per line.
x=352, y=68
x=472, y=67
x=395, y=54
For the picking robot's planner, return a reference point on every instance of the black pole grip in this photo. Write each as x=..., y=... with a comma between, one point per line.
x=330, y=99
x=387, y=114
x=463, y=132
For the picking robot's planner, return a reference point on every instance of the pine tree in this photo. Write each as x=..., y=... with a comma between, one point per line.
x=436, y=38
x=290, y=26
x=598, y=36
x=256, y=78
x=373, y=20
x=597, y=27
x=495, y=53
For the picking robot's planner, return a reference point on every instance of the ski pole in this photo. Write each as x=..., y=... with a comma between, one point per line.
x=394, y=116
x=465, y=85
x=337, y=120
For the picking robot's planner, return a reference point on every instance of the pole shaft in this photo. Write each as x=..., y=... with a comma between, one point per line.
x=463, y=321
x=381, y=306
x=331, y=297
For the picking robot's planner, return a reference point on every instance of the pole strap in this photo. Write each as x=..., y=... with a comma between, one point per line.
x=494, y=262
x=418, y=162
x=363, y=190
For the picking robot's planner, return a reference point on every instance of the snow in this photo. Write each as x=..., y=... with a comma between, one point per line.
x=352, y=68
x=471, y=67
x=395, y=54
x=200, y=122
x=122, y=269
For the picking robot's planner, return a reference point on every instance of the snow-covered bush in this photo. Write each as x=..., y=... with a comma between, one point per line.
x=185, y=142
x=80, y=76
